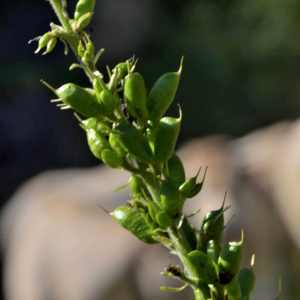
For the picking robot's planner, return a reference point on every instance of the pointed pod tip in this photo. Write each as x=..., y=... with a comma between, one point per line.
x=180, y=68
x=224, y=198
x=198, y=172
x=242, y=238
x=180, y=113
x=37, y=50
x=48, y=86
x=111, y=214
x=252, y=261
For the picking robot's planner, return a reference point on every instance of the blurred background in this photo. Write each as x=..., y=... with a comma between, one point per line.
x=240, y=74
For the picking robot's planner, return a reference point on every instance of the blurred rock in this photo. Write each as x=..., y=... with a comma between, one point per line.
x=59, y=244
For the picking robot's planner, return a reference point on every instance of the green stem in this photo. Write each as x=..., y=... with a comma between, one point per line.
x=69, y=35
x=182, y=247
x=57, y=7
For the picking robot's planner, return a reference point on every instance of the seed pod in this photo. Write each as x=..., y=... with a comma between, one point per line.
x=166, y=138
x=234, y=290
x=135, y=95
x=99, y=127
x=174, y=170
x=187, y=186
x=164, y=220
x=246, y=279
x=187, y=232
x=213, y=224
x=198, y=187
x=80, y=49
x=201, y=266
x=112, y=159
x=116, y=145
x=50, y=46
x=83, y=7
x=107, y=100
x=153, y=209
x=97, y=87
x=151, y=134
x=213, y=249
x=230, y=260
x=105, y=97
x=132, y=220
x=89, y=52
x=97, y=143
x=170, y=198
x=149, y=221
x=162, y=94
x=134, y=143
x=79, y=99
x=137, y=185
x=122, y=70
x=44, y=40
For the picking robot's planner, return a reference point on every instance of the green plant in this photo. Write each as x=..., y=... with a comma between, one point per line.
x=142, y=142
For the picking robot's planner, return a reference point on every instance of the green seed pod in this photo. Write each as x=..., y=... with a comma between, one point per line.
x=213, y=249
x=135, y=96
x=97, y=143
x=170, y=198
x=151, y=134
x=44, y=40
x=164, y=220
x=203, y=292
x=97, y=87
x=162, y=94
x=202, y=267
x=187, y=232
x=107, y=100
x=112, y=159
x=230, y=260
x=99, y=127
x=79, y=99
x=174, y=170
x=83, y=7
x=122, y=70
x=166, y=138
x=50, y=46
x=198, y=187
x=80, y=49
x=116, y=145
x=246, y=279
x=153, y=209
x=187, y=186
x=105, y=97
x=213, y=224
x=149, y=221
x=89, y=52
x=133, y=221
x=134, y=143
x=137, y=185
x=234, y=290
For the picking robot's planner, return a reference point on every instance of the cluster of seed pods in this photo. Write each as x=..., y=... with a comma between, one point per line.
x=127, y=130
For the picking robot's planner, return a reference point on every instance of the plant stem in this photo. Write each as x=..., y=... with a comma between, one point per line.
x=69, y=35
x=57, y=7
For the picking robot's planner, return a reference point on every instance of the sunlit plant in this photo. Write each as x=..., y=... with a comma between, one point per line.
x=127, y=130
